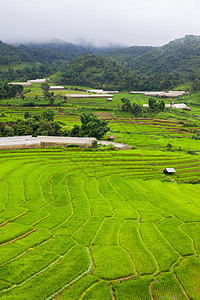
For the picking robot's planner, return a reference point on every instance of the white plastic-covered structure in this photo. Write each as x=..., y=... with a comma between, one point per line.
x=179, y=105
x=23, y=142
x=102, y=92
x=38, y=80
x=138, y=92
x=59, y=87
x=21, y=83
x=88, y=96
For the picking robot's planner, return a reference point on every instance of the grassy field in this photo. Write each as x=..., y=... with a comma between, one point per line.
x=97, y=223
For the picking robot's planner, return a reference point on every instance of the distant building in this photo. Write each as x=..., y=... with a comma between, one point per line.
x=169, y=171
x=55, y=88
x=173, y=105
x=179, y=105
x=76, y=96
x=38, y=80
x=155, y=94
x=21, y=83
x=96, y=91
x=138, y=92
x=102, y=92
x=170, y=94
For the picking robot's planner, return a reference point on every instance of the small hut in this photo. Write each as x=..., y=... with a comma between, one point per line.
x=169, y=171
x=111, y=137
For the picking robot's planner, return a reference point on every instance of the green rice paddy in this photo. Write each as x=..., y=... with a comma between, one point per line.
x=102, y=224
x=98, y=225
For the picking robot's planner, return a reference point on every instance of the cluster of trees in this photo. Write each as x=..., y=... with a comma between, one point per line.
x=41, y=124
x=136, y=109
x=91, y=127
x=155, y=106
x=9, y=91
x=47, y=95
x=44, y=124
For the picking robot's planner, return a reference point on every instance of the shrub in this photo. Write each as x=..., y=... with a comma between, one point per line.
x=94, y=144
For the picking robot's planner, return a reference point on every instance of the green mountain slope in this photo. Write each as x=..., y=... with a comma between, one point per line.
x=125, y=55
x=38, y=52
x=180, y=56
x=10, y=54
x=97, y=71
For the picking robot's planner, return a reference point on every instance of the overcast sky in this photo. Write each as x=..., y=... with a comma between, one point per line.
x=128, y=22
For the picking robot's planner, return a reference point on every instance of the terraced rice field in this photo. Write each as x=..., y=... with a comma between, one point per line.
x=98, y=225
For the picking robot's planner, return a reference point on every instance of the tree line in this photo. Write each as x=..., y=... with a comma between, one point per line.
x=44, y=124
x=100, y=72
x=136, y=109
x=9, y=91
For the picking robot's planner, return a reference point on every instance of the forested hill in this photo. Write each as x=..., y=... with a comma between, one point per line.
x=11, y=54
x=42, y=53
x=125, y=55
x=179, y=56
x=96, y=71
x=100, y=72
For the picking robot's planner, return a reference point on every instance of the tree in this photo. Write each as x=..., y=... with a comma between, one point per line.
x=126, y=106
x=169, y=147
x=52, y=100
x=45, y=89
x=135, y=108
x=161, y=105
x=48, y=114
x=91, y=127
x=8, y=131
x=27, y=115
x=156, y=107
x=152, y=103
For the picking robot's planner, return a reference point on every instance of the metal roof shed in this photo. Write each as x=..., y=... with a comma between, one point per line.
x=169, y=171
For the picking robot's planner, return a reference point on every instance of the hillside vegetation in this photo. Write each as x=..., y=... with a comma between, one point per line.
x=164, y=67
x=100, y=72
x=180, y=56
x=125, y=55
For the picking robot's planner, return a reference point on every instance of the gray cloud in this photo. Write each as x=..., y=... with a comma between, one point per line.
x=130, y=22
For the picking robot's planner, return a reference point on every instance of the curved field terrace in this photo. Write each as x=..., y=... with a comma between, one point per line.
x=98, y=225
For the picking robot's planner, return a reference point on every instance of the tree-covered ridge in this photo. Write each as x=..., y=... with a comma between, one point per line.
x=97, y=71
x=44, y=52
x=38, y=53
x=125, y=55
x=10, y=54
x=178, y=56
x=51, y=52
x=38, y=60
x=100, y=72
